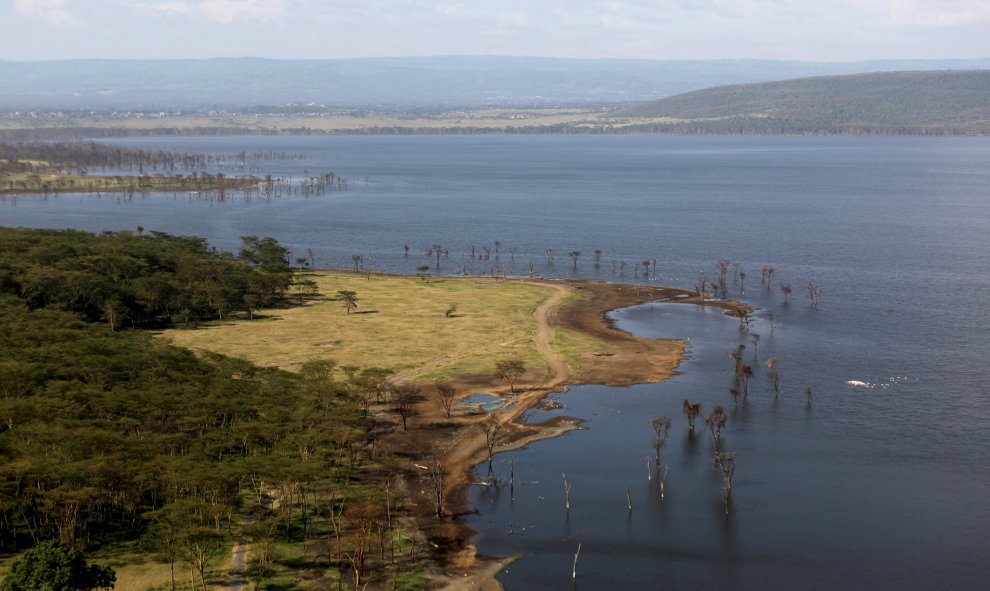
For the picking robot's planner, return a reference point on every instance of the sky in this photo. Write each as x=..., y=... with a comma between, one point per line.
x=812, y=30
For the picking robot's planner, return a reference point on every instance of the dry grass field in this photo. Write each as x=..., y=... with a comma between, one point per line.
x=400, y=323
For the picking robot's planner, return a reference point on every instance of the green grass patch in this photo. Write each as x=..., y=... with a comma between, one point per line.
x=400, y=323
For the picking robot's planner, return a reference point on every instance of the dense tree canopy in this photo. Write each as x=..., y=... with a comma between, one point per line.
x=126, y=279
x=53, y=566
x=107, y=435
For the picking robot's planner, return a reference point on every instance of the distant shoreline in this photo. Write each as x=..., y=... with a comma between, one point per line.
x=481, y=122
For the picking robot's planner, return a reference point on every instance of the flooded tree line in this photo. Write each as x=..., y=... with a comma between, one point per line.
x=89, y=167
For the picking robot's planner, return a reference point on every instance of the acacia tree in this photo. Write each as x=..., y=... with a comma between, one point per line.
x=348, y=298
x=405, y=396
x=53, y=566
x=510, y=370
x=691, y=411
x=715, y=422
x=446, y=393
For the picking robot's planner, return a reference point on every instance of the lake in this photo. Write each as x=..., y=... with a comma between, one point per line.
x=881, y=485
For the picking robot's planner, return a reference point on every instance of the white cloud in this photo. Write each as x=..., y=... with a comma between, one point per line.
x=51, y=11
x=925, y=13
x=221, y=11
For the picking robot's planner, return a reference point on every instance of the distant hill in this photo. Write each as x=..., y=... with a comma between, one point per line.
x=423, y=82
x=955, y=102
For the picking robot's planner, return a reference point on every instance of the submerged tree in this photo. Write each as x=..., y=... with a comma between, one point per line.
x=492, y=428
x=725, y=462
x=785, y=288
x=814, y=290
x=744, y=374
x=773, y=374
x=715, y=422
x=691, y=411
x=575, y=255
x=661, y=430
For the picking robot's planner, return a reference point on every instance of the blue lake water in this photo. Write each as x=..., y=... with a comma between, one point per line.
x=871, y=487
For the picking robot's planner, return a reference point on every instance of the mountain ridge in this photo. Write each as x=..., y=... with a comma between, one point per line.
x=424, y=82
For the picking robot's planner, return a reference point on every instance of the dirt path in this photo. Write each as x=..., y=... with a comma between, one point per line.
x=237, y=575
x=557, y=371
x=470, y=449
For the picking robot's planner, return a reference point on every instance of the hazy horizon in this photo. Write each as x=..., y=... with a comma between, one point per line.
x=679, y=30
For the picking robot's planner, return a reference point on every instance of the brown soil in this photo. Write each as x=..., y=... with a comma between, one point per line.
x=460, y=444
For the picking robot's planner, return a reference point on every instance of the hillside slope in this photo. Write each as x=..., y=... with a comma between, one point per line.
x=890, y=102
x=446, y=81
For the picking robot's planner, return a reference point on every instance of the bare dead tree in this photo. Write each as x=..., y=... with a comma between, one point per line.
x=646, y=267
x=498, y=247
x=437, y=251
x=737, y=355
x=492, y=429
x=446, y=393
x=598, y=256
x=549, y=256
x=773, y=374
x=567, y=493
x=808, y=394
x=715, y=422
x=661, y=431
x=768, y=272
x=745, y=373
x=691, y=411
x=574, y=568
x=814, y=290
x=744, y=320
x=575, y=255
x=755, y=339
x=771, y=318
x=358, y=262
x=436, y=477
x=725, y=462
x=735, y=395
x=785, y=289
x=742, y=282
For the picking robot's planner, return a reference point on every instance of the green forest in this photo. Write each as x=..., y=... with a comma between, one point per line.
x=114, y=441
